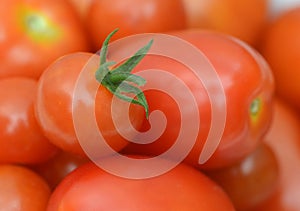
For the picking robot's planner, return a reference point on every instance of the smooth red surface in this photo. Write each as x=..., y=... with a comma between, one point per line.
x=182, y=188
x=21, y=138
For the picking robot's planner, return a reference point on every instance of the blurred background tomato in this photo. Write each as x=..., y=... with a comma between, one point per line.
x=34, y=33
x=284, y=139
x=132, y=17
x=243, y=19
x=280, y=45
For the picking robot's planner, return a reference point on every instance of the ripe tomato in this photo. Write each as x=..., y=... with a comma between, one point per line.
x=283, y=137
x=22, y=189
x=21, y=139
x=248, y=90
x=250, y=181
x=58, y=167
x=33, y=33
x=54, y=105
x=132, y=17
x=81, y=7
x=182, y=188
x=242, y=19
x=277, y=7
x=280, y=46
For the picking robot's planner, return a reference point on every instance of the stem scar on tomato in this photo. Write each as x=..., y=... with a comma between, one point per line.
x=255, y=108
x=38, y=26
x=119, y=80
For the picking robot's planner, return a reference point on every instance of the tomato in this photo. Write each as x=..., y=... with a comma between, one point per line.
x=182, y=188
x=22, y=189
x=59, y=166
x=277, y=7
x=280, y=47
x=81, y=7
x=55, y=100
x=248, y=91
x=283, y=137
x=133, y=17
x=250, y=181
x=33, y=33
x=242, y=19
x=21, y=139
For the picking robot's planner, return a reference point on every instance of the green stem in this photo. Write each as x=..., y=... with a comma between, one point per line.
x=119, y=80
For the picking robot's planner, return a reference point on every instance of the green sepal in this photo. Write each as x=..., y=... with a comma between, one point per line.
x=119, y=80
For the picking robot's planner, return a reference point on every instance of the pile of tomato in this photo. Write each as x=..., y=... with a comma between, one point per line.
x=57, y=72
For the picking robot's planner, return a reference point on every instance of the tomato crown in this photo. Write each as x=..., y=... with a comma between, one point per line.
x=119, y=80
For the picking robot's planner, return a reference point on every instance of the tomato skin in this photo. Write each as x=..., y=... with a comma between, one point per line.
x=132, y=17
x=182, y=188
x=244, y=75
x=250, y=181
x=242, y=19
x=54, y=102
x=34, y=33
x=81, y=7
x=283, y=138
x=280, y=46
x=22, y=189
x=21, y=139
x=58, y=167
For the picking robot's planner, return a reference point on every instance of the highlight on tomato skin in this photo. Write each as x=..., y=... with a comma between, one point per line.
x=21, y=139
x=250, y=181
x=132, y=17
x=53, y=105
x=283, y=138
x=248, y=86
x=182, y=188
x=81, y=7
x=58, y=167
x=45, y=45
x=34, y=33
x=22, y=189
x=280, y=46
x=242, y=19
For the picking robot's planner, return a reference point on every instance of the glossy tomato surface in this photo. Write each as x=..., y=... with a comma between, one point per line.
x=280, y=46
x=248, y=91
x=284, y=139
x=250, y=181
x=243, y=19
x=55, y=103
x=133, y=17
x=21, y=138
x=22, y=189
x=182, y=188
x=81, y=7
x=33, y=33
x=58, y=167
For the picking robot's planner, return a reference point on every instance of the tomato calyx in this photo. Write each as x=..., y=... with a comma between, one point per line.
x=119, y=80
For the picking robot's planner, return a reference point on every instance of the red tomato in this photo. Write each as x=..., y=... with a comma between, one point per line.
x=182, y=188
x=284, y=139
x=59, y=166
x=55, y=100
x=81, y=6
x=280, y=46
x=250, y=181
x=248, y=89
x=133, y=17
x=33, y=33
x=21, y=139
x=22, y=189
x=243, y=19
